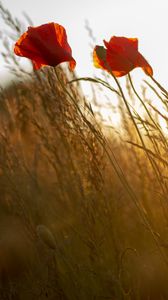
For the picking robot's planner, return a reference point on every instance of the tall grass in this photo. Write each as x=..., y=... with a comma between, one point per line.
x=84, y=208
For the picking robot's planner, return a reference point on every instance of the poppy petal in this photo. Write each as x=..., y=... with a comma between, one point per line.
x=25, y=47
x=37, y=65
x=119, y=64
x=45, y=45
x=99, y=57
x=72, y=64
x=122, y=56
x=127, y=47
x=123, y=42
x=52, y=40
x=119, y=73
x=142, y=62
x=133, y=42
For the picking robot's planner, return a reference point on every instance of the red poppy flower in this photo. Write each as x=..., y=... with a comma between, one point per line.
x=45, y=45
x=120, y=56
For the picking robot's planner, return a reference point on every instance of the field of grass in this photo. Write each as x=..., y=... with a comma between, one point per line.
x=83, y=207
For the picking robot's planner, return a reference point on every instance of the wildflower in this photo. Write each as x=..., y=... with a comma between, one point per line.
x=45, y=45
x=120, y=56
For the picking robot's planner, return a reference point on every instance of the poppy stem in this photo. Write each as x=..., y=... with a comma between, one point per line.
x=160, y=86
x=95, y=80
x=154, y=166
x=146, y=109
x=118, y=169
x=140, y=208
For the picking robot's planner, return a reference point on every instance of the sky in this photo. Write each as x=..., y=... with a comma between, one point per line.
x=145, y=19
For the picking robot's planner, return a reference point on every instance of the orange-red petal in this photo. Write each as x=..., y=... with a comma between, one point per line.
x=142, y=63
x=127, y=48
x=122, y=56
x=133, y=42
x=99, y=57
x=45, y=45
x=119, y=64
x=124, y=42
x=72, y=64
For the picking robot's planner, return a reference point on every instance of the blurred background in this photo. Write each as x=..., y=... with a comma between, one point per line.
x=146, y=20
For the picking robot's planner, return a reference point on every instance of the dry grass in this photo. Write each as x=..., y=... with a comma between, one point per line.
x=83, y=214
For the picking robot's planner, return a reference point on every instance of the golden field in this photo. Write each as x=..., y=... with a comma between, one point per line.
x=83, y=207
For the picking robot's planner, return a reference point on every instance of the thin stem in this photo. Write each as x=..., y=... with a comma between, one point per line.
x=116, y=166
x=146, y=109
x=154, y=166
x=151, y=161
x=160, y=86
